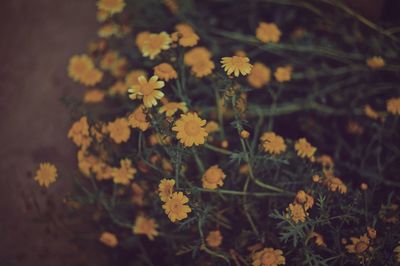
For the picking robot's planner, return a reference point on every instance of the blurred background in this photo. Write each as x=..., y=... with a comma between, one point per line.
x=37, y=39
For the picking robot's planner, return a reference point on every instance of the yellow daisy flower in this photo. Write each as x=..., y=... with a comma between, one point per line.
x=304, y=148
x=145, y=226
x=259, y=76
x=132, y=78
x=93, y=96
x=268, y=257
x=165, y=71
x=91, y=77
x=125, y=173
x=319, y=239
x=185, y=35
x=109, y=29
x=304, y=199
x=154, y=43
x=203, y=67
x=46, y=174
x=393, y=106
x=236, y=65
x=78, y=66
x=190, y=129
x=375, y=62
x=212, y=126
x=138, y=119
x=214, y=239
x=213, y=177
x=165, y=189
x=79, y=133
x=118, y=87
x=108, y=239
x=108, y=60
x=272, y=143
x=194, y=55
x=268, y=32
x=358, y=244
x=170, y=108
x=297, y=212
x=102, y=15
x=119, y=130
x=335, y=184
x=141, y=38
x=283, y=74
x=111, y=6
x=175, y=207
x=148, y=90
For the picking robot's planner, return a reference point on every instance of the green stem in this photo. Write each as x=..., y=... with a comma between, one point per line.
x=216, y=149
x=199, y=163
x=238, y=193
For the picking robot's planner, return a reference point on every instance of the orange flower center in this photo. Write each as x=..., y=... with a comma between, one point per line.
x=192, y=128
x=212, y=176
x=267, y=258
x=139, y=116
x=147, y=89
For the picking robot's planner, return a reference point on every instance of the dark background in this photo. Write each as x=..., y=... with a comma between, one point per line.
x=37, y=39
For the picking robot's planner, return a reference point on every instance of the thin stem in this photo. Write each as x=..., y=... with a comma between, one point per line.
x=199, y=163
x=238, y=193
x=216, y=149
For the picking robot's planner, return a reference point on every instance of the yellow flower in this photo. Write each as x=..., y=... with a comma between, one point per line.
x=185, y=35
x=212, y=126
x=244, y=134
x=170, y=108
x=132, y=78
x=102, y=15
x=165, y=71
x=165, y=189
x=125, y=173
x=118, y=87
x=375, y=62
x=141, y=38
x=46, y=174
x=93, y=96
x=79, y=133
x=334, y=183
x=145, y=226
x=358, y=245
x=214, y=239
x=175, y=207
x=190, y=129
x=111, y=6
x=213, y=177
x=154, y=43
x=304, y=199
x=148, y=90
x=119, y=68
x=268, y=257
x=108, y=30
x=363, y=186
x=108, y=239
x=196, y=54
x=259, y=76
x=91, y=77
x=297, y=212
x=319, y=239
x=108, y=60
x=79, y=65
x=272, y=143
x=119, y=130
x=202, y=68
x=138, y=119
x=268, y=32
x=304, y=148
x=370, y=112
x=397, y=253
x=393, y=106
x=283, y=74
x=236, y=65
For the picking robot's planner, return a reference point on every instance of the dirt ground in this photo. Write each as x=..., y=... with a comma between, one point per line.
x=37, y=39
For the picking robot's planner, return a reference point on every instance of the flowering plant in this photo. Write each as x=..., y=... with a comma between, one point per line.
x=260, y=139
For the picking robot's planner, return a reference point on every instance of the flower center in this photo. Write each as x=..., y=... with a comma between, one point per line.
x=267, y=259
x=192, y=128
x=155, y=43
x=146, y=89
x=212, y=176
x=175, y=206
x=139, y=116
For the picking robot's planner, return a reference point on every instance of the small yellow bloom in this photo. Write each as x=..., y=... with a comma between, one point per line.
x=109, y=29
x=283, y=74
x=78, y=66
x=211, y=127
x=268, y=32
x=149, y=90
x=336, y=184
x=132, y=78
x=375, y=62
x=111, y=6
x=155, y=43
x=259, y=76
x=125, y=173
x=268, y=257
x=370, y=112
x=363, y=186
x=118, y=87
x=397, y=253
x=119, y=130
x=165, y=189
x=108, y=60
x=304, y=199
x=108, y=239
x=214, y=239
x=319, y=239
x=93, y=96
x=185, y=35
x=145, y=226
x=272, y=143
x=304, y=148
x=190, y=129
x=46, y=174
x=393, y=106
x=165, y=71
x=141, y=38
x=297, y=212
x=244, y=134
x=91, y=77
x=358, y=245
x=79, y=133
x=175, y=207
x=236, y=65
x=138, y=119
x=170, y=108
x=119, y=68
x=196, y=54
x=213, y=177
x=203, y=67
x=316, y=178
